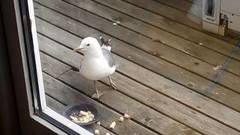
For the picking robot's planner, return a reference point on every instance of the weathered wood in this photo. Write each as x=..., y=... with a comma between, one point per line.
x=192, y=8
x=190, y=20
x=125, y=104
x=171, y=71
x=171, y=26
x=132, y=74
x=194, y=1
x=48, y=62
x=180, y=44
x=60, y=108
x=195, y=9
x=188, y=97
x=70, y=96
x=141, y=41
x=159, y=122
x=81, y=30
x=118, y=101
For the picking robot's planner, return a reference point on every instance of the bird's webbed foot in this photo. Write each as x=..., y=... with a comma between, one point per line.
x=97, y=95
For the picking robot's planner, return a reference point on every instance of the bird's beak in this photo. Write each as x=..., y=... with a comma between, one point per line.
x=77, y=49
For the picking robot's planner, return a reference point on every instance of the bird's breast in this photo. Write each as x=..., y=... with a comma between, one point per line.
x=95, y=68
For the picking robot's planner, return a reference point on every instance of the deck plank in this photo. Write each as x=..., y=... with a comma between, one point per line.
x=192, y=8
x=190, y=80
x=46, y=61
x=190, y=20
x=185, y=32
x=187, y=113
x=181, y=60
x=198, y=109
x=195, y=9
x=159, y=79
x=178, y=43
x=60, y=108
x=159, y=122
x=173, y=41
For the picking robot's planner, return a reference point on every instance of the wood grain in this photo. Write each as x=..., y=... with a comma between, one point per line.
x=157, y=65
x=173, y=27
x=70, y=96
x=190, y=117
x=187, y=7
x=158, y=122
x=215, y=59
x=141, y=41
x=146, y=90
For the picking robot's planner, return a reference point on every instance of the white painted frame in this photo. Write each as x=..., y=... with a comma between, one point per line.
x=215, y=18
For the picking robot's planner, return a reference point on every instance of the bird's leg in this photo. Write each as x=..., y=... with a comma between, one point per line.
x=112, y=84
x=96, y=89
x=97, y=94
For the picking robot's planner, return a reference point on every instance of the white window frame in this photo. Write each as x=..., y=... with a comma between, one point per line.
x=37, y=107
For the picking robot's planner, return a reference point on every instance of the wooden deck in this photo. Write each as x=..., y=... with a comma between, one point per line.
x=166, y=78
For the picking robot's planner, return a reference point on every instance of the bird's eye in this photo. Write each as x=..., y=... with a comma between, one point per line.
x=88, y=44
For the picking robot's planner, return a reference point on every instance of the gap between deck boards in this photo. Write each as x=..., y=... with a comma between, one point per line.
x=78, y=83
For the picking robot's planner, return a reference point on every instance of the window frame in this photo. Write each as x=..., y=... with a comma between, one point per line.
x=22, y=44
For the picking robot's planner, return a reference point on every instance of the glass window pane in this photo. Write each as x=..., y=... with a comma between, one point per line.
x=137, y=67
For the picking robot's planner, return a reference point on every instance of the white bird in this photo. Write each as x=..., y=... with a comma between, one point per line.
x=97, y=62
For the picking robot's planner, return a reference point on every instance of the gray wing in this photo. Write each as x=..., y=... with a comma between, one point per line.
x=107, y=55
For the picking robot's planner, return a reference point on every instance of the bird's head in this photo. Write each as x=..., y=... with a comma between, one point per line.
x=89, y=46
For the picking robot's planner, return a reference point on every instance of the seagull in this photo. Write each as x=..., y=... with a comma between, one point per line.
x=97, y=62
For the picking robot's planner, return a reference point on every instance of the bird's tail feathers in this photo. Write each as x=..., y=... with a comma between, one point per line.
x=107, y=47
x=105, y=43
